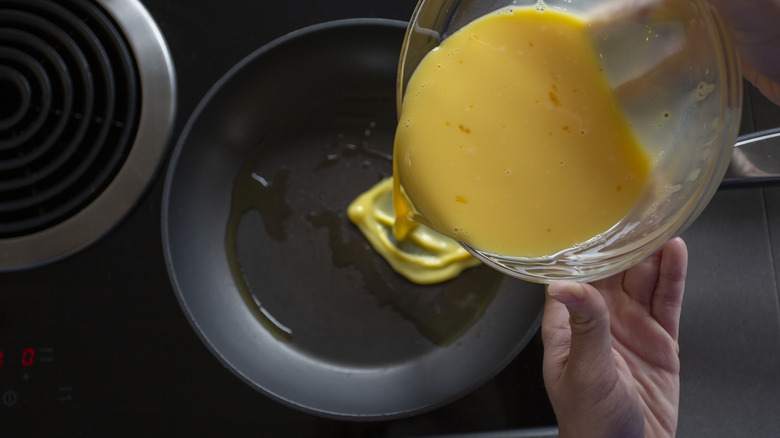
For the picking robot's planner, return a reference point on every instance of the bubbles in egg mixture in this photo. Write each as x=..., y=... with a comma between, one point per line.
x=703, y=90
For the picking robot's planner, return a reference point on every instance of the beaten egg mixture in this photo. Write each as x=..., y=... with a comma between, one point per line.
x=511, y=141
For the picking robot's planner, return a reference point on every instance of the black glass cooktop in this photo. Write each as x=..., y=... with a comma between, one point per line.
x=96, y=344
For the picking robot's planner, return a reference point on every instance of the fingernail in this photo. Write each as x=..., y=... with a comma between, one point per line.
x=563, y=292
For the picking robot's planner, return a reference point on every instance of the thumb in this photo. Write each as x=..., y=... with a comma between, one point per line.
x=591, y=339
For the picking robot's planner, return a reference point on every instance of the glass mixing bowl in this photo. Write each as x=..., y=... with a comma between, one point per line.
x=676, y=75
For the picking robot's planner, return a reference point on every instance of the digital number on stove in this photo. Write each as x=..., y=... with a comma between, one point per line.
x=26, y=357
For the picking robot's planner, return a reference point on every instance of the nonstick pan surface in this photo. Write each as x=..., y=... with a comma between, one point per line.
x=277, y=282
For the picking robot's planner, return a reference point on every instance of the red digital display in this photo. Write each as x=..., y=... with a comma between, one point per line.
x=28, y=356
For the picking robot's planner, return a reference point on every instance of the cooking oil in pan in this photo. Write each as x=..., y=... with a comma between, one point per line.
x=253, y=192
x=307, y=272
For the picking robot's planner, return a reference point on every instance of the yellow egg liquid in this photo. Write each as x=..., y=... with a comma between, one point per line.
x=423, y=257
x=511, y=141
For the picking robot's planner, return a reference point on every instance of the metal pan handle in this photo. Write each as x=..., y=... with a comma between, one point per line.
x=755, y=161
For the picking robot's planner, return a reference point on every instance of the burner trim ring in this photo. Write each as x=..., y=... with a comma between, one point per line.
x=157, y=81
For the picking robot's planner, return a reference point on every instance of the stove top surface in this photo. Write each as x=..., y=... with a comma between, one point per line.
x=96, y=343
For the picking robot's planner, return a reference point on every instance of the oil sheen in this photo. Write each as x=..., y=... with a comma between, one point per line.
x=511, y=141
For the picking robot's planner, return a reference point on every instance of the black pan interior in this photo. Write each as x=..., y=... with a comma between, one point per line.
x=278, y=283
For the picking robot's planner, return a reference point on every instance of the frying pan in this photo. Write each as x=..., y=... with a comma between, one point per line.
x=273, y=277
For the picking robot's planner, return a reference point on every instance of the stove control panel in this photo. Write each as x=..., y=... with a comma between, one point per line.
x=30, y=378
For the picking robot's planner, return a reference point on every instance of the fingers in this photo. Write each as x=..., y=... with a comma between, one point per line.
x=766, y=86
x=639, y=281
x=555, y=324
x=754, y=30
x=667, y=298
x=556, y=335
x=642, y=282
x=590, y=337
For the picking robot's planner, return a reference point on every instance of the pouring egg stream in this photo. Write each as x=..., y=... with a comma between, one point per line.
x=510, y=140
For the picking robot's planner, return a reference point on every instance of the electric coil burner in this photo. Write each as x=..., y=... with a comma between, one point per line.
x=86, y=109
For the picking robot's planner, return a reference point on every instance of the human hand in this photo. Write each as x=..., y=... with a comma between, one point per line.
x=611, y=363
x=753, y=27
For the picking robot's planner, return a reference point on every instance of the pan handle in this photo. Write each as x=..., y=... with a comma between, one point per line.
x=755, y=161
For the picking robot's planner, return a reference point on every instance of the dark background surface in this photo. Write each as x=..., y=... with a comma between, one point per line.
x=115, y=354
x=117, y=357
